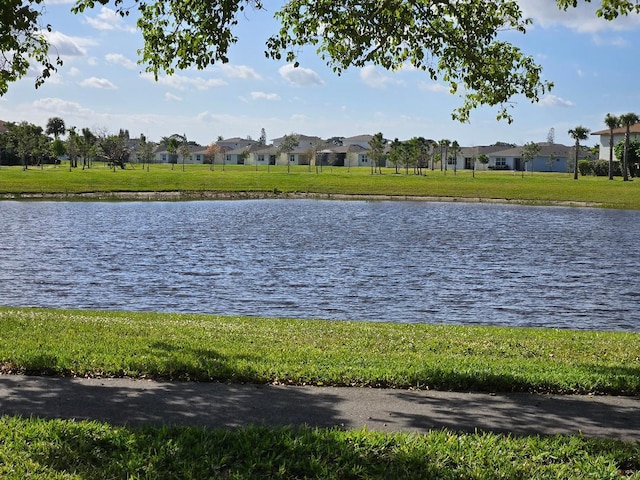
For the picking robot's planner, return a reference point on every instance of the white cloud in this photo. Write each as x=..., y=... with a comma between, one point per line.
x=95, y=82
x=555, y=101
x=433, y=87
x=239, y=71
x=373, y=78
x=181, y=82
x=582, y=18
x=118, y=59
x=67, y=46
x=60, y=107
x=264, y=96
x=300, y=77
x=109, y=19
x=73, y=71
x=170, y=97
x=614, y=41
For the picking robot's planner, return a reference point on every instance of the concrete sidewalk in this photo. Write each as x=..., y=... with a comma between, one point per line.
x=134, y=402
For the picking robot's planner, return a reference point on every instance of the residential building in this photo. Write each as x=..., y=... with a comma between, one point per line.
x=196, y=155
x=467, y=157
x=552, y=157
x=618, y=136
x=360, y=140
x=235, y=143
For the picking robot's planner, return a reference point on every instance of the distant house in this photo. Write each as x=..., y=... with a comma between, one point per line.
x=552, y=157
x=262, y=155
x=235, y=143
x=467, y=157
x=618, y=136
x=304, y=141
x=196, y=155
x=360, y=140
x=300, y=154
x=344, y=156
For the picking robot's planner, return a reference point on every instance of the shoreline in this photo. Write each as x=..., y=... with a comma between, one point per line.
x=246, y=195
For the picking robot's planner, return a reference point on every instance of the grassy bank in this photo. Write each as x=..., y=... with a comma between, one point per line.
x=259, y=350
x=540, y=188
x=76, y=450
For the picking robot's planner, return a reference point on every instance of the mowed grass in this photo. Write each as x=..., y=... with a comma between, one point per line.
x=60, y=449
x=314, y=352
x=539, y=188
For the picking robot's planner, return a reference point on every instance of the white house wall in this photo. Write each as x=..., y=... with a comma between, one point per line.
x=617, y=138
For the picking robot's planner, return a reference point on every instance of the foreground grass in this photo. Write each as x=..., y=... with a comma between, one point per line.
x=260, y=350
x=58, y=449
x=540, y=188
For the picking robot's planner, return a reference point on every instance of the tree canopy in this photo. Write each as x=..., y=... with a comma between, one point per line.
x=457, y=42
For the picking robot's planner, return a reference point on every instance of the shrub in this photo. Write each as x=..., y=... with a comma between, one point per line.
x=584, y=167
x=600, y=168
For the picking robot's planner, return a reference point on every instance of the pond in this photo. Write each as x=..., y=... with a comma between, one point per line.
x=425, y=262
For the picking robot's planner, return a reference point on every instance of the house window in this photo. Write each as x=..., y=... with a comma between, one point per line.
x=292, y=157
x=501, y=162
x=164, y=158
x=198, y=158
x=364, y=159
x=261, y=158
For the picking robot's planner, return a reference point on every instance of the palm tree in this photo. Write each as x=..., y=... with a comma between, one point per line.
x=55, y=127
x=455, y=150
x=612, y=123
x=626, y=121
x=444, y=146
x=578, y=133
x=376, y=146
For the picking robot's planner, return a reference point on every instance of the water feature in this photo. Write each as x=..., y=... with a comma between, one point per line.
x=379, y=261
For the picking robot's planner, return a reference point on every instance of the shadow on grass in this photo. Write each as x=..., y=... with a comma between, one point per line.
x=100, y=451
x=254, y=452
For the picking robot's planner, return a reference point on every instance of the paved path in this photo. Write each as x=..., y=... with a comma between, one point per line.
x=123, y=401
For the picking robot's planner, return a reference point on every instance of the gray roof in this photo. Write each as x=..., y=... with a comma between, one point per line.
x=546, y=149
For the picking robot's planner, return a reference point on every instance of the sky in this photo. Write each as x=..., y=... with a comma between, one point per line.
x=593, y=64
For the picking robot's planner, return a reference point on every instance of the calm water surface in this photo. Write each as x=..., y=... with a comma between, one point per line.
x=379, y=261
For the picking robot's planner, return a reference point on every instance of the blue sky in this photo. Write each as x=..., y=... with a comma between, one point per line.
x=593, y=64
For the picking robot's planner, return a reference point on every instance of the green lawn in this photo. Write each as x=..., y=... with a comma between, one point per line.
x=58, y=449
x=264, y=350
x=236, y=349
x=540, y=188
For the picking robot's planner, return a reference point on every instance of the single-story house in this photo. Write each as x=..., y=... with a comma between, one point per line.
x=467, y=157
x=196, y=155
x=552, y=157
x=352, y=155
x=261, y=155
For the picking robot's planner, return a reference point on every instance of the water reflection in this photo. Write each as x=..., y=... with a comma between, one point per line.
x=379, y=261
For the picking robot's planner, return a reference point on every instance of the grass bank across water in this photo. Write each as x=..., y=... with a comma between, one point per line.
x=198, y=181
x=262, y=350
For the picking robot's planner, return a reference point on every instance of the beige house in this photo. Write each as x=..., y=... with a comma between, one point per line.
x=618, y=136
x=301, y=154
x=196, y=155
